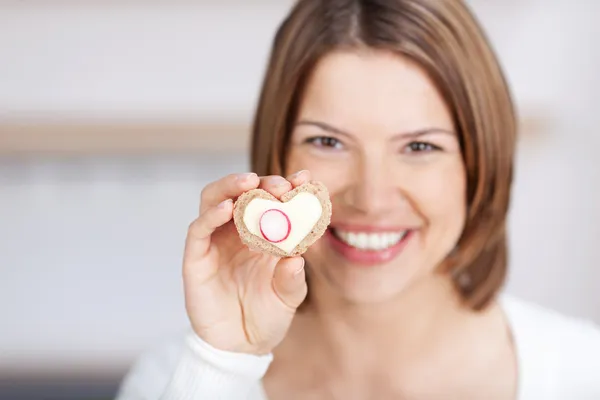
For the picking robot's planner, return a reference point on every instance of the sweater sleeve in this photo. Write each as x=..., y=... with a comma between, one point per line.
x=196, y=371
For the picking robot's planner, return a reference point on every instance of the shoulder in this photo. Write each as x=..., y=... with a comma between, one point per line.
x=539, y=327
x=529, y=315
x=557, y=354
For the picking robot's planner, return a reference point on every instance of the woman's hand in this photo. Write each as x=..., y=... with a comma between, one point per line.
x=236, y=299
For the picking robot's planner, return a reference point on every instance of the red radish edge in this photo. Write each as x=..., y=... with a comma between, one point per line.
x=287, y=219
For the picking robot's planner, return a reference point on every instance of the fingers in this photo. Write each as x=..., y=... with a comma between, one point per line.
x=275, y=184
x=234, y=185
x=198, y=238
x=228, y=187
x=289, y=281
x=299, y=178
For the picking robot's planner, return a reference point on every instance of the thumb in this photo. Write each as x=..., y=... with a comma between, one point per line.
x=289, y=281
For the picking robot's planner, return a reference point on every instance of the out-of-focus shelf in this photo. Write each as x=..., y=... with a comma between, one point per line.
x=147, y=138
x=97, y=138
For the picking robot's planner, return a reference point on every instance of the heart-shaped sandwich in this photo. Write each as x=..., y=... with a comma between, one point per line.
x=286, y=227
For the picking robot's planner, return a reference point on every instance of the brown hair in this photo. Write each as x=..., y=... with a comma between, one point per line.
x=444, y=38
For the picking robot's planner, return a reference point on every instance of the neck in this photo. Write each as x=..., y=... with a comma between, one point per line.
x=358, y=336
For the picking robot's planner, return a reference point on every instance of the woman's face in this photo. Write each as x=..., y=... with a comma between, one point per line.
x=373, y=128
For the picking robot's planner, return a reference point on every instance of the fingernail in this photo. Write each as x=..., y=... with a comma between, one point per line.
x=244, y=177
x=299, y=270
x=278, y=181
x=297, y=174
x=224, y=203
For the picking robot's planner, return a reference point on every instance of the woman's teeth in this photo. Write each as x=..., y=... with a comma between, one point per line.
x=370, y=241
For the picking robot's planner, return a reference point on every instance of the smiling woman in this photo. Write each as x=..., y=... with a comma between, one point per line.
x=400, y=109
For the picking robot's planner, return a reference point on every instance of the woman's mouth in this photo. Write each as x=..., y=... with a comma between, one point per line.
x=370, y=241
x=368, y=246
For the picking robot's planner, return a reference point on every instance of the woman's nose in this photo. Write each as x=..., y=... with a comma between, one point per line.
x=374, y=189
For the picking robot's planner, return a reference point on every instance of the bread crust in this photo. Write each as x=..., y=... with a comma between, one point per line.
x=259, y=244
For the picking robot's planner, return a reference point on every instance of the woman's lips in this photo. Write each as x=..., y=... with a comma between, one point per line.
x=367, y=257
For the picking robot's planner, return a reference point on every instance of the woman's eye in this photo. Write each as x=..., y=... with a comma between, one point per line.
x=416, y=147
x=325, y=141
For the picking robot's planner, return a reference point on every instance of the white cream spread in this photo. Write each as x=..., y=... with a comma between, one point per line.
x=304, y=211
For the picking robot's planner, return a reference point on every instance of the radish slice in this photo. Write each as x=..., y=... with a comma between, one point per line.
x=275, y=225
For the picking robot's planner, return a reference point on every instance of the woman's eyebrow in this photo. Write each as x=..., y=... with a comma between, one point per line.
x=324, y=126
x=404, y=135
x=422, y=132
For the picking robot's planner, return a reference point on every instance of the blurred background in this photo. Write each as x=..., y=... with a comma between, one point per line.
x=115, y=114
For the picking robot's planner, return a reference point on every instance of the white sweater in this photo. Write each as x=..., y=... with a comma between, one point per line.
x=558, y=359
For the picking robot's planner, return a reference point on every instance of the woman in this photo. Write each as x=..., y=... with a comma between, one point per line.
x=400, y=108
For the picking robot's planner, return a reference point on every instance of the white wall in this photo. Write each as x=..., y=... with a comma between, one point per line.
x=90, y=254
x=130, y=59
x=90, y=249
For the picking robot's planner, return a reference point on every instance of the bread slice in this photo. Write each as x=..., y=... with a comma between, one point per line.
x=258, y=243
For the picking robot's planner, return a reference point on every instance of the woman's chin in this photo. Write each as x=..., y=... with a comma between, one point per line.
x=361, y=291
x=364, y=282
